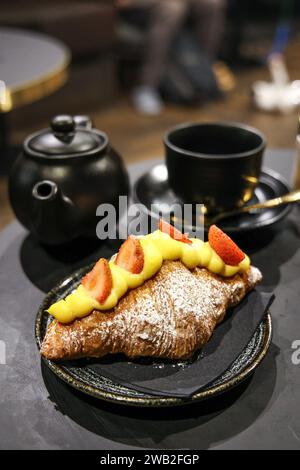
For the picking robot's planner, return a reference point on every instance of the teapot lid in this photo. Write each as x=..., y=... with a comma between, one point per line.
x=67, y=136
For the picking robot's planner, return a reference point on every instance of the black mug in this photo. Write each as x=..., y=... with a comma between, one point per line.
x=215, y=164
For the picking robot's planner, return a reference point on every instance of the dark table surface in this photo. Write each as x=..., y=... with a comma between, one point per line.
x=38, y=411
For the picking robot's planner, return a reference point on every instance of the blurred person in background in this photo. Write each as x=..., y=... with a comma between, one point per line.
x=165, y=19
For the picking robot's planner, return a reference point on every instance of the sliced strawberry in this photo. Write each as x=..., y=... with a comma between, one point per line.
x=173, y=232
x=225, y=247
x=98, y=281
x=131, y=256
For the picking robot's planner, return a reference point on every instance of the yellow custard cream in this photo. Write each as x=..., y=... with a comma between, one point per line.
x=157, y=246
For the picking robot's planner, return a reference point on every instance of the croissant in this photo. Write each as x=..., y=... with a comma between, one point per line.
x=170, y=316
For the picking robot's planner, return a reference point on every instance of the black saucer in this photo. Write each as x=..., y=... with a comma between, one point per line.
x=153, y=188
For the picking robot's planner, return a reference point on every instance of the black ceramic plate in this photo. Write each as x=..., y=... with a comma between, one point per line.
x=82, y=376
x=153, y=188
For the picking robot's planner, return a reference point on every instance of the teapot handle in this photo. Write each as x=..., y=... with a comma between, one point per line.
x=83, y=121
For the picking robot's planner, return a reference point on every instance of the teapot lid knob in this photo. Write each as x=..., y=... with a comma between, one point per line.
x=63, y=127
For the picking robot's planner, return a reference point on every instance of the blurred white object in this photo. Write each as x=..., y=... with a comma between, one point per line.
x=5, y=99
x=147, y=100
x=280, y=94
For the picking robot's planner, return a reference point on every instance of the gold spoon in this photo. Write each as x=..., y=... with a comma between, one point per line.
x=293, y=196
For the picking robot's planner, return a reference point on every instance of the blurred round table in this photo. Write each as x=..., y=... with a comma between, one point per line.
x=32, y=66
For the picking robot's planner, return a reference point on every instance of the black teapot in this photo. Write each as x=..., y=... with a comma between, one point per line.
x=60, y=178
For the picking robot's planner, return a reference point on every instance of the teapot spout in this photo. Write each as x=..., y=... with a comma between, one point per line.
x=45, y=191
x=56, y=218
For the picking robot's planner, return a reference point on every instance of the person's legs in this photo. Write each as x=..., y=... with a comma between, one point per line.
x=210, y=18
x=210, y=21
x=166, y=16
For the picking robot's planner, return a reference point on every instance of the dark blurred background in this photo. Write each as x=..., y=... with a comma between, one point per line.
x=109, y=44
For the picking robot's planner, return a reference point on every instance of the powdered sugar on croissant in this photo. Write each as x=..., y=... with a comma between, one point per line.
x=170, y=316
